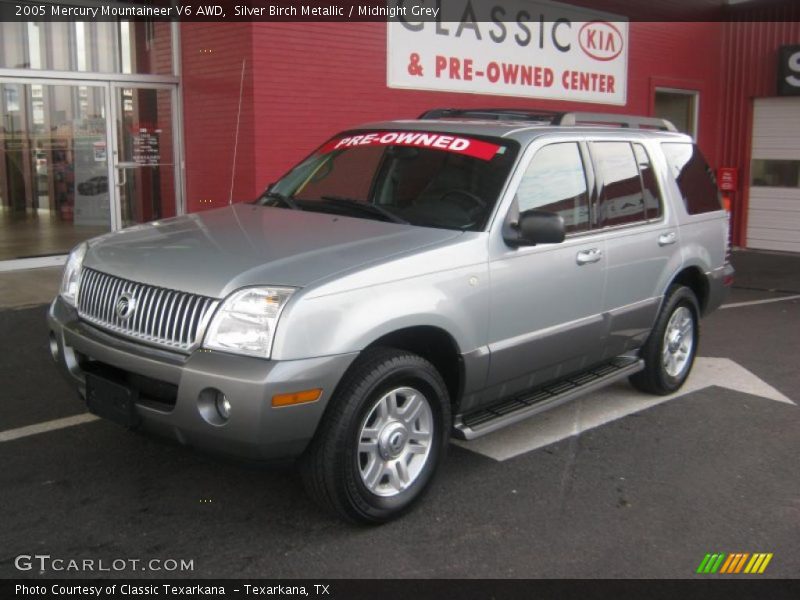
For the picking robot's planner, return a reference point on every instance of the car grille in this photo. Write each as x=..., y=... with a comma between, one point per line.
x=162, y=317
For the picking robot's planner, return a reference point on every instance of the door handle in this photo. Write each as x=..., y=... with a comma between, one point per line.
x=665, y=239
x=122, y=178
x=589, y=256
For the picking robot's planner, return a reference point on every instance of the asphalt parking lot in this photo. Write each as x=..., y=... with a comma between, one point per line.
x=644, y=490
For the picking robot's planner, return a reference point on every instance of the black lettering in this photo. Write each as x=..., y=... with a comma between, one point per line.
x=498, y=12
x=541, y=31
x=559, y=22
x=522, y=18
x=468, y=21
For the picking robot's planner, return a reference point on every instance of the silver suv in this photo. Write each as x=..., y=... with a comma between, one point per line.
x=408, y=281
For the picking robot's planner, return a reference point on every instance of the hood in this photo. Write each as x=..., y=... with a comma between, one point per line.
x=215, y=252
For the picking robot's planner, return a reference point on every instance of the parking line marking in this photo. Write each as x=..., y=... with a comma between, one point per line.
x=766, y=301
x=37, y=428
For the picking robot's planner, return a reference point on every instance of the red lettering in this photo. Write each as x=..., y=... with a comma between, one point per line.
x=441, y=64
x=510, y=73
x=455, y=68
x=590, y=41
x=467, y=69
x=492, y=72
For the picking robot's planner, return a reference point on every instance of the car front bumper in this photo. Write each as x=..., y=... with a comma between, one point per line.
x=255, y=429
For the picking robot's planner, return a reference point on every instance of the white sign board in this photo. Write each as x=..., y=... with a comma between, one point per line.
x=522, y=48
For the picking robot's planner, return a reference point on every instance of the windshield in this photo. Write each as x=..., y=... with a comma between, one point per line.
x=426, y=179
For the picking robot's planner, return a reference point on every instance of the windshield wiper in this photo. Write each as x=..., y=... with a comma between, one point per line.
x=287, y=201
x=373, y=209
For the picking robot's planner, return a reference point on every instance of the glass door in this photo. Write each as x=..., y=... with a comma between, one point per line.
x=54, y=169
x=144, y=159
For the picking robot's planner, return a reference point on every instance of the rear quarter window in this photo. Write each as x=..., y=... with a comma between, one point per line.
x=694, y=177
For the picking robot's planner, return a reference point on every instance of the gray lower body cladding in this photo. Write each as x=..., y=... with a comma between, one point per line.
x=255, y=429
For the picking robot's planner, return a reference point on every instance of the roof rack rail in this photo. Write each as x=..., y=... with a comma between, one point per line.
x=550, y=117
x=496, y=114
x=575, y=118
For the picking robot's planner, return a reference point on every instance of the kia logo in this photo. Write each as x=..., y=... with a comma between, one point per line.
x=600, y=40
x=125, y=306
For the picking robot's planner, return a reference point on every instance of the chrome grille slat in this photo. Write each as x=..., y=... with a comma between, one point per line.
x=167, y=318
x=95, y=297
x=97, y=290
x=108, y=284
x=177, y=319
x=156, y=312
x=191, y=331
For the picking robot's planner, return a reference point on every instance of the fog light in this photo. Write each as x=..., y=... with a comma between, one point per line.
x=214, y=406
x=223, y=406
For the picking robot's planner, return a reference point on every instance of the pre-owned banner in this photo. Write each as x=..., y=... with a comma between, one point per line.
x=513, y=48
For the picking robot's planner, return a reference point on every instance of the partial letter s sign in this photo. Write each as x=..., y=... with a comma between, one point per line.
x=789, y=71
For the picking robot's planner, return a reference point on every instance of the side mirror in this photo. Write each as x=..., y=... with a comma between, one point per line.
x=536, y=227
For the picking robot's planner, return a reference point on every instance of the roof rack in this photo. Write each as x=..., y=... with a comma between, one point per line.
x=496, y=114
x=550, y=117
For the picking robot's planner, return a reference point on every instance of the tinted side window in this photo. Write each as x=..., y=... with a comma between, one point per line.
x=621, y=199
x=694, y=177
x=652, y=198
x=555, y=181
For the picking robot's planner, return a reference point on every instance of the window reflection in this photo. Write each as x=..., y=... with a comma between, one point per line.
x=140, y=47
x=53, y=168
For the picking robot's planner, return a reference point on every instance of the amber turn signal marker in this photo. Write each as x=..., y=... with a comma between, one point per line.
x=296, y=397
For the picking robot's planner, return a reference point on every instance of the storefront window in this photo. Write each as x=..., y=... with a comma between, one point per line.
x=54, y=189
x=776, y=173
x=141, y=47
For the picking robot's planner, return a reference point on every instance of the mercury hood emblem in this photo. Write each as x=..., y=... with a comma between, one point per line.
x=125, y=306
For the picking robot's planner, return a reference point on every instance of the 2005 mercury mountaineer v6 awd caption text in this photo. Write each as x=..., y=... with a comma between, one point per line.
x=408, y=281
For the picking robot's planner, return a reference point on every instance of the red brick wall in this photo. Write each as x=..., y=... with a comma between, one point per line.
x=305, y=81
x=212, y=55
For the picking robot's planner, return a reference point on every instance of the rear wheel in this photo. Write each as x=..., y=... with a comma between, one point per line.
x=381, y=438
x=670, y=350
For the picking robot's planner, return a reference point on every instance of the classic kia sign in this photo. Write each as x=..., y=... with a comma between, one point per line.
x=513, y=48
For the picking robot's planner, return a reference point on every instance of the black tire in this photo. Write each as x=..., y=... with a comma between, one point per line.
x=655, y=379
x=330, y=466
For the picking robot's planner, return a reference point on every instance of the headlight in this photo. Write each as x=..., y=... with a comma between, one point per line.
x=72, y=274
x=246, y=321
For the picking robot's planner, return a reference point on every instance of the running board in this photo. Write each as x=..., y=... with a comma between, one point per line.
x=532, y=402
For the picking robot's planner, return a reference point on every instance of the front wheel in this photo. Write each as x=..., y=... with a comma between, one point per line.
x=670, y=350
x=381, y=438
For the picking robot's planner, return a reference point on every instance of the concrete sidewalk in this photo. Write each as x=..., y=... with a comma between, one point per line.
x=30, y=287
x=768, y=271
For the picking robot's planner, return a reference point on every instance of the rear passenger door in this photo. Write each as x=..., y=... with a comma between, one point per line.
x=641, y=240
x=546, y=310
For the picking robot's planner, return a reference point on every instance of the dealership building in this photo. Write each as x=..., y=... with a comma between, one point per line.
x=106, y=124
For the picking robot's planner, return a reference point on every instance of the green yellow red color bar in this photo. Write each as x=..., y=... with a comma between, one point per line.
x=736, y=562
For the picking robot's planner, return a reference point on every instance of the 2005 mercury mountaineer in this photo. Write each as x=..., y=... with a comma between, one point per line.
x=408, y=281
